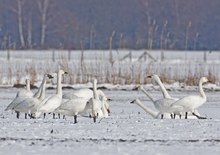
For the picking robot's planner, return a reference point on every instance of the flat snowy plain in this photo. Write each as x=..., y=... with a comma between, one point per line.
x=128, y=130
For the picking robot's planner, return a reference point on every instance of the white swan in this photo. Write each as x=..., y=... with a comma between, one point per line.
x=21, y=95
x=72, y=107
x=156, y=114
x=163, y=89
x=162, y=105
x=26, y=92
x=49, y=104
x=87, y=94
x=167, y=95
x=30, y=104
x=105, y=107
x=192, y=102
x=95, y=102
x=40, y=94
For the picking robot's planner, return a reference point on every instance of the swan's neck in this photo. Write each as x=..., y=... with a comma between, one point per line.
x=39, y=92
x=163, y=89
x=59, y=84
x=145, y=92
x=104, y=109
x=28, y=85
x=153, y=113
x=95, y=94
x=93, y=108
x=201, y=91
x=43, y=89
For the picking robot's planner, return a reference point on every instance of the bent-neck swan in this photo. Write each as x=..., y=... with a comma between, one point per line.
x=162, y=105
x=156, y=114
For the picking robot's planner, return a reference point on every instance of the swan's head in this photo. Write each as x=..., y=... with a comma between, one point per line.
x=204, y=79
x=60, y=72
x=27, y=81
x=156, y=77
x=134, y=101
x=140, y=87
x=49, y=76
x=95, y=81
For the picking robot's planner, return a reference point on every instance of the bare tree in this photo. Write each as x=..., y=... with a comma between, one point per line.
x=43, y=7
x=20, y=4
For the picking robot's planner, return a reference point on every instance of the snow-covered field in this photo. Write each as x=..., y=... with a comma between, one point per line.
x=129, y=130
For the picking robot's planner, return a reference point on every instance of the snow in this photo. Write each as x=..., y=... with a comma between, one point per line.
x=129, y=130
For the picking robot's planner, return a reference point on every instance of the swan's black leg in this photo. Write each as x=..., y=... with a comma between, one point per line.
x=31, y=116
x=161, y=116
x=75, y=119
x=186, y=115
x=25, y=116
x=59, y=116
x=94, y=119
x=199, y=117
x=64, y=117
x=44, y=115
x=180, y=116
x=54, y=115
x=17, y=114
x=174, y=116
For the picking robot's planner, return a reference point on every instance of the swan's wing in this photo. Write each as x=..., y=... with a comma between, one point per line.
x=78, y=103
x=69, y=96
x=50, y=104
x=27, y=104
x=84, y=93
x=72, y=107
x=16, y=101
x=25, y=93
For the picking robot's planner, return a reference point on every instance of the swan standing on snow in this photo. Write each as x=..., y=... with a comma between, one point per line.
x=51, y=103
x=87, y=94
x=167, y=98
x=192, y=102
x=30, y=104
x=95, y=102
x=162, y=105
x=72, y=107
x=20, y=96
x=156, y=114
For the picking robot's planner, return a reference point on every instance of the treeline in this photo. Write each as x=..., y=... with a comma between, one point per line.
x=105, y=24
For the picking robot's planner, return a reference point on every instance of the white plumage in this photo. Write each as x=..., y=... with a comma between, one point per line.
x=49, y=104
x=192, y=102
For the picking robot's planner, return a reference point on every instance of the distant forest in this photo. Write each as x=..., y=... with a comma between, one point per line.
x=105, y=24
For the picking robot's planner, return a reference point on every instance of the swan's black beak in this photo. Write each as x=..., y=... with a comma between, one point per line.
x=132, y=101
x=65, y=72
x=108, y=99
x=49, y=76
x=149, y=76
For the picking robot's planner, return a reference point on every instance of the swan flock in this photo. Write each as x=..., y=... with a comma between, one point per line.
x=94, y=103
